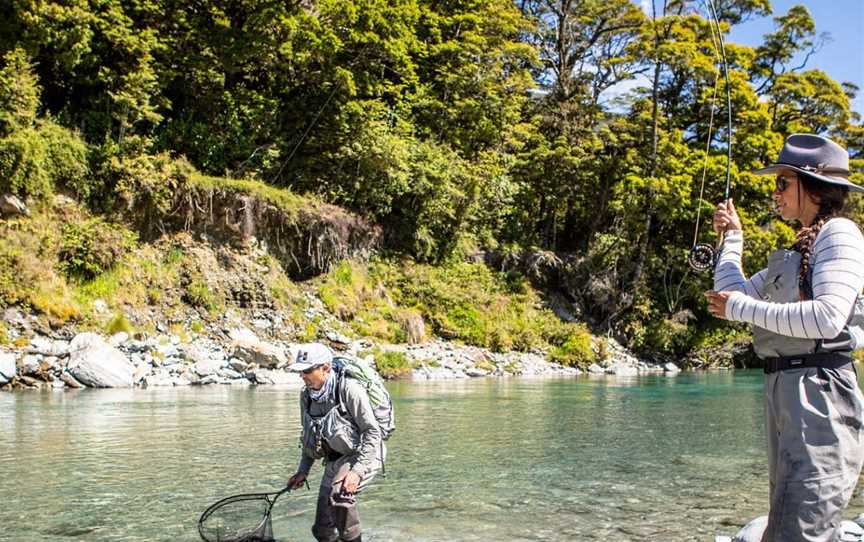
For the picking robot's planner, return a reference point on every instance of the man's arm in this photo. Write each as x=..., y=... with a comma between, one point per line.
x=356, y=402
x=306, y=461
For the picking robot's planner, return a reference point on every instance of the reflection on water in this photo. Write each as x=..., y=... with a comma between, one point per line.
x=648, y=458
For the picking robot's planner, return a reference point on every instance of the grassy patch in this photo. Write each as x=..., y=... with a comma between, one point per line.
x=287, y=201
x=392, y=365
x=462, y=301
x=119, y=323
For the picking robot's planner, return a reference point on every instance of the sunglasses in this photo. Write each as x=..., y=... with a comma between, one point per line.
x=309, y=370
x=782, y=183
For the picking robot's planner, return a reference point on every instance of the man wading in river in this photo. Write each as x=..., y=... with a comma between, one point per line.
x=805, y=309
x=340, y=427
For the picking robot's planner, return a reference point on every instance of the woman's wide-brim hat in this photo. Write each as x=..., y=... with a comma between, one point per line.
x=816, y=156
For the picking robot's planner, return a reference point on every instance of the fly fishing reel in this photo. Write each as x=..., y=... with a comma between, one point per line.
x=702, y=257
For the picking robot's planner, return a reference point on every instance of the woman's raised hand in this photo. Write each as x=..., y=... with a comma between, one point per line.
x=726, y=217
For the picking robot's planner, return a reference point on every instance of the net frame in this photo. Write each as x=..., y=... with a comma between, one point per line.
x=258, y=530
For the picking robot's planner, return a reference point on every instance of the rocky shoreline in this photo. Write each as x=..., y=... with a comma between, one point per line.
x=238, y=356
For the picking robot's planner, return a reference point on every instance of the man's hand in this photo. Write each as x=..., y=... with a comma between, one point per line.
x=297, y=480
x=351, y=482
x=717, y=302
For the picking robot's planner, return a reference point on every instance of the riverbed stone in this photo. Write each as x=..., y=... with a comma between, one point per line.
x=238, y=365
x=475, y=372
x=229, y=373
x=270, y=376
x=97, y=364
x=70, y=380
x=671, y=368
x=752, y=532
x=159, y=378
x=7, y=367
x=260, y=353
x=207, y=367
x=619, y=369
x=118, y=338
x=29, y=364
x=337, y=338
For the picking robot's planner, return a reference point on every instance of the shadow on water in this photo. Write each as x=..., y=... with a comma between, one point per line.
x=644, y=458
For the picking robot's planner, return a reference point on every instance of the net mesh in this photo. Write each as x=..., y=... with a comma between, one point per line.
x=244, y=518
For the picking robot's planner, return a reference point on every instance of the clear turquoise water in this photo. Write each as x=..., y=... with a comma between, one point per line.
x=649, y=458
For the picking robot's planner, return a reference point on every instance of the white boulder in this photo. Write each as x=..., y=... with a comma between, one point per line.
x=7, y=367
x=97, y=364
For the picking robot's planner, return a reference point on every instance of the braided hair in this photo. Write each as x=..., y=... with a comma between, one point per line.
x=831, y=198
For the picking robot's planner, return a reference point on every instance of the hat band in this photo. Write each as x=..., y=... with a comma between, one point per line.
x=833, y=171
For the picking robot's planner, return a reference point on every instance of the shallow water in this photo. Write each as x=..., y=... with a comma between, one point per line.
x=648, y=458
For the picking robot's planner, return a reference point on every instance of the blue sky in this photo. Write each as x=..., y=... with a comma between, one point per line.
x=842, y=57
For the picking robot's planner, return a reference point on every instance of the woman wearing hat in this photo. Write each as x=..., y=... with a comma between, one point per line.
x=801, y=308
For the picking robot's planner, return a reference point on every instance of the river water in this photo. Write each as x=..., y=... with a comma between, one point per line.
x=648, y=458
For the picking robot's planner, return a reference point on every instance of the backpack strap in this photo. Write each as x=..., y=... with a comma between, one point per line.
x=337, y=391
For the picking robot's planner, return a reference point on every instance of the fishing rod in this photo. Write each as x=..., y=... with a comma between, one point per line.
x=703, y=256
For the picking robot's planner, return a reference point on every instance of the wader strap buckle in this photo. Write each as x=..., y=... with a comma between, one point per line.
x=827, y=360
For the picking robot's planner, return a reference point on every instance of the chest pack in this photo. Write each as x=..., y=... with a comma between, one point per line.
x=781, y=286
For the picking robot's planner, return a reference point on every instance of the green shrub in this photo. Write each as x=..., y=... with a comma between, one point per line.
x=91, y=247
x=119, y=323
x=392, y=365
x=68, y=161
x=4, y=334
x=35, y=160
x=147, y=183
x=19, y=92
x=199, y=294
x=576, y=350
x=25, y=165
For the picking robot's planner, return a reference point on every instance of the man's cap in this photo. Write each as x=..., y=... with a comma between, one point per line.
x=816, y=156
x=311, y=355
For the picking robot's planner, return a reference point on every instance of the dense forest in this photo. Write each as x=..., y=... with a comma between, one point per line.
x=566, y=140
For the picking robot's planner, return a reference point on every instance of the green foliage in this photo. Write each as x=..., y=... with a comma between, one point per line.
x=576, y=351
x=36, y=160
x=461, y=301
x=146, y=184
x=89, y=248
x=4, y=334
x=392, y=364
x=457, y=127
x=24, y=165
x=119, y=323
x=19, y=92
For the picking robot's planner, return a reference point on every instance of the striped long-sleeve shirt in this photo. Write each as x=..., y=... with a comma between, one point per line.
x=837, y=263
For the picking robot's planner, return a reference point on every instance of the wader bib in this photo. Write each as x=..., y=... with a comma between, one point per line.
x=813, y=413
